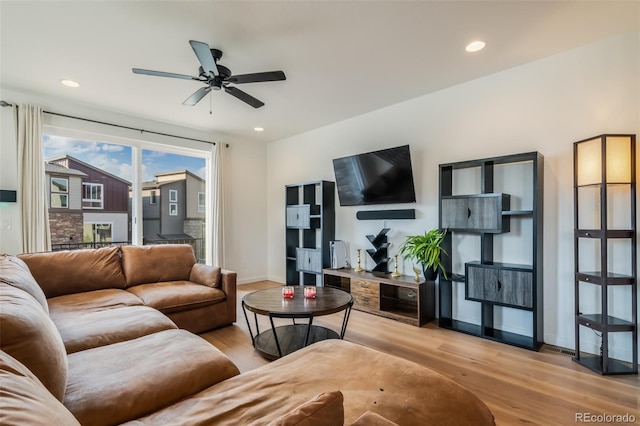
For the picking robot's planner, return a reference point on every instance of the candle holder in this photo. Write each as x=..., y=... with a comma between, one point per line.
x=288, y=292
x=310, y=292
x=358, y=267
x=396, y=273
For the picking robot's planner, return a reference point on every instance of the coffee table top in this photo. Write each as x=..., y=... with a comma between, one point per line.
x=270, y=302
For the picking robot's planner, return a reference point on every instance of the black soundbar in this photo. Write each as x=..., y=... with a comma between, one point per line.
x=386, y=214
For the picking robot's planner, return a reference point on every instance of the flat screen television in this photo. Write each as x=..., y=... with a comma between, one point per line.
x=378, y=177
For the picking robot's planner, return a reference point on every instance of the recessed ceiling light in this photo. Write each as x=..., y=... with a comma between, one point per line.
x=258, y=129
x=474, y=46
x=70, y=83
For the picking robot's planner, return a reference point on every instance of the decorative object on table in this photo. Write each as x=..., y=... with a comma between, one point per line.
x=288, y=292
x=417, y=272
x=426, y=249
x=605, y=216
x=379, y=253
x=395, y=273
x=310, y=292
x=358, y=266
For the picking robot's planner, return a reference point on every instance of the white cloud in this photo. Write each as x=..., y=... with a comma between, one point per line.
x=111, y=148
x=202, y=172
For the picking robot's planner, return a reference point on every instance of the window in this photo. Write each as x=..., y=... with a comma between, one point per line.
x=128, y=216
x=97, y=233
x=92, y=195
x=201, y=202
x=59, y=193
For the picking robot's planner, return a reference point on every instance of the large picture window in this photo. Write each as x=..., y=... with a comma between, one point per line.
x=92, y=195
x=59, y=193
x=110, y=206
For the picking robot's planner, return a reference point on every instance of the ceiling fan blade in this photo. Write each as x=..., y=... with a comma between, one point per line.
x=199, y=94
x=163, y=74
x=257, y=77
x=203, y=52
x=244, y=97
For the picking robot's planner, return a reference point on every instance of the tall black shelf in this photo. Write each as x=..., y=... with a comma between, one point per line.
x=487, y=281
x=309, y=226
x=604, y=176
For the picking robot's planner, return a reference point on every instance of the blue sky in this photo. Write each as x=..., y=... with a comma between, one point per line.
x=116, y=159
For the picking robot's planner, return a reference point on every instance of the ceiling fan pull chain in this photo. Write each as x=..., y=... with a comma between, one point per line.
x=210, y=104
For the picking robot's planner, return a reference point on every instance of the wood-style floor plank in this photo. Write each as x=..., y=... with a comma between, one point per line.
x=518, y=385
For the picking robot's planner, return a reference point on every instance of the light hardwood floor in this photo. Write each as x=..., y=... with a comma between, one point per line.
x=519, y=386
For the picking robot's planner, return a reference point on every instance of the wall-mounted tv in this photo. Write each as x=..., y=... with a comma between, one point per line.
x=378, y=177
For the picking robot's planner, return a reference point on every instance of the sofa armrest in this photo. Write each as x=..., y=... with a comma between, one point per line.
x=228, y=285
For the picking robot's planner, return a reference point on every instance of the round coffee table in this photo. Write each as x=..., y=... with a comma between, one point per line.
x=282, y=340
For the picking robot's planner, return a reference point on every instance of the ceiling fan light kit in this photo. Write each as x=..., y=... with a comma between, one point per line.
x=217, y=77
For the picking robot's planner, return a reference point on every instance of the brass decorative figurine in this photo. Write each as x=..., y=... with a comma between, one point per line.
x=358, y=267
x=396, y=273
x=417, y=271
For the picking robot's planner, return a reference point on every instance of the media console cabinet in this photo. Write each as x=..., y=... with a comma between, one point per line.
x=399, y=298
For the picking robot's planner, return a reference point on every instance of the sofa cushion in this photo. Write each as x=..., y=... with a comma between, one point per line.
x=123, y=381
x=395, y=388
x=324, y=410
x=15, y=272
x=151, y=264
x=93, y=300
x=75, y=271
x=28, y=335
x=86, y=329
x=25, y=401
x=175, y=296
x=205, y=275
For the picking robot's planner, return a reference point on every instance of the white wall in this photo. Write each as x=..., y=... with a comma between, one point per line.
x=245, y=176
x=542, y=106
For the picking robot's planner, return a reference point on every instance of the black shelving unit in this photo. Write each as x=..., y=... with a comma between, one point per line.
x=491, y=215
x=310, y=225
x=604, y=178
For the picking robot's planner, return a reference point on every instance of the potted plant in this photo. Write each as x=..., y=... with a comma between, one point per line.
x=426, y=249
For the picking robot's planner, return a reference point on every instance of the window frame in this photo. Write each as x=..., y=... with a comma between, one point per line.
x=202, y=206
x=173, y=209
x=173, y=196
x=153, y=197
x=97, y=132
x=92, y=200
x=61, y=195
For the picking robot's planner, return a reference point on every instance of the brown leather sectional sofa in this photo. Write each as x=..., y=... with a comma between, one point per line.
x=99, y=337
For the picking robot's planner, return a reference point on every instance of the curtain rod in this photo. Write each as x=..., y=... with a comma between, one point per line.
x=7, y=104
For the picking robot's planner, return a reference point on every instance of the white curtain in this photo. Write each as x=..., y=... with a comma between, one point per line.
x=217, y=197
x=31, y=180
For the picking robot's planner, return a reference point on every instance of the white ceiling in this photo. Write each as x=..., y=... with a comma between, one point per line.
x=341, y=58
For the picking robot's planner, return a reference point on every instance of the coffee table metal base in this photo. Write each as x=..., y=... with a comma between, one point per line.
x=290, y=338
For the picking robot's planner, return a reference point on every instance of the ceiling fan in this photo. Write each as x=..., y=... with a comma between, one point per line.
x=217, y=77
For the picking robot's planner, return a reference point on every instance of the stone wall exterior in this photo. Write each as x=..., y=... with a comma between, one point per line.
x=195, y=228
x=66, y=227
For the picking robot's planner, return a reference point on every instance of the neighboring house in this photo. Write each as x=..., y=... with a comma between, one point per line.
x=173, y=207
x=103, y=201
x=64, y=187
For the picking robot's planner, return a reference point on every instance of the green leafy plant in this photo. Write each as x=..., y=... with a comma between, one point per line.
x=426, y=250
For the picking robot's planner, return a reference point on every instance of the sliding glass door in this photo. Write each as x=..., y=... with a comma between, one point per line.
x=114, y=192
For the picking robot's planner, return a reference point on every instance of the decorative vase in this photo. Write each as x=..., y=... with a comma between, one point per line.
x=430, y=273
